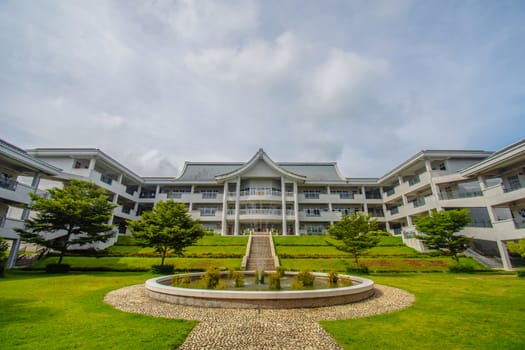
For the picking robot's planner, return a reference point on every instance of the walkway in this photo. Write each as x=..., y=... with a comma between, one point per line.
x=259, y=329
x=260, y=256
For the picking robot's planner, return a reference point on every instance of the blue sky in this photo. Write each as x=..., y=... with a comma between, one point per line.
x=364, y=83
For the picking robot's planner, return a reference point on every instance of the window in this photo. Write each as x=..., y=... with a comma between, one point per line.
x=209, y=194
x=208, y=211
x=514, y=182
x=312, y=194
x=312, y=211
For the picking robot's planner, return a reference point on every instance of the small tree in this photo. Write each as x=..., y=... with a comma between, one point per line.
x=167, y=227
x=518, y=247
x=3, y=256
x=74, y=215
x=358, y=233
x=440, y=231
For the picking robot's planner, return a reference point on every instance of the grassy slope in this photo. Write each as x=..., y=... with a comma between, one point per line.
x=451, y=312
x=64, y=312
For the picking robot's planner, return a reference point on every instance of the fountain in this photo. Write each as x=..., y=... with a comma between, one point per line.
x=160, y=288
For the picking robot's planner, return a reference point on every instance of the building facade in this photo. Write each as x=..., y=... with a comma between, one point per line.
x=305, y=198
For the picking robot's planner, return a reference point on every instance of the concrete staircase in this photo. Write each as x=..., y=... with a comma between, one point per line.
x=261, y=254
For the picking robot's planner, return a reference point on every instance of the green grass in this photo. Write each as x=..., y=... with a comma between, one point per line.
x=67, y=312
x=140, y=264
x=451, y=312
x=387, y=264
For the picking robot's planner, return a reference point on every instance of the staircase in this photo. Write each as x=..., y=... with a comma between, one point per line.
x=261, y=254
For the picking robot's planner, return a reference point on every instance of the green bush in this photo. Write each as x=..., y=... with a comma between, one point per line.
x=57, y=268
x=211, y=278
x=275, y=281
x=280, y=270
x=163, y=269
x=333, y=277
x=295, y=284
x=179, y=281
x=460, y=268
x=238, y=277
x=306, y=278
x=359, y=269
x=521, y=273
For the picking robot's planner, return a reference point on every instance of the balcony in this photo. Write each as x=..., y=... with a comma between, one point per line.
x=16, y=192
x=461, y=198
x=106, y=179
x=459, y=194
x=7, y=226
x=394, y=211
x=419, y=202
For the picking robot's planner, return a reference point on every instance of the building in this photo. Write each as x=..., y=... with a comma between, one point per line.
x=14, y=196
x=305, y=198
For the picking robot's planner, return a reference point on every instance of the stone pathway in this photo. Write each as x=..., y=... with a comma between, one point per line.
x=259, y=329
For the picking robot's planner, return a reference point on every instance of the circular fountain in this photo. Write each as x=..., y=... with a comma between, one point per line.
x=159, y=288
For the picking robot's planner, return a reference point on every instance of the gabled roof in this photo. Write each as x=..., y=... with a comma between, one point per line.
x=260, y=155
x=499, y=159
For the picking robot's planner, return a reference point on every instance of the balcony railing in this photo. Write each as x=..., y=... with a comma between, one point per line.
x=260, y=192
x=414, y=180
x=126, y=210
x=8, y=184
x=398, y=230
x=459, y=194
x=390, y=192
x=373, y=195
x=147, y=195
x=513, y=187
x=394, y=211
x=174, y=195
x=260, y=211
x=209, y=195
x=346, y=195
x=311, y=195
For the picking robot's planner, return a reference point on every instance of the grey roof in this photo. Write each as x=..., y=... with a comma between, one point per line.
x=314, y=171
x=208, y=171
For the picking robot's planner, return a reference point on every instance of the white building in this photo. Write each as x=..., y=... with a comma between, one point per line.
x=305, y=198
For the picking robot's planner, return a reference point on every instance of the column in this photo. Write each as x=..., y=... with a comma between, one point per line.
x=13, y=253
x=283, y=205
x=433, y=186
x=237, y=199
x=504, y=254
x=224, y=209
x=365, y=204
x=296, y=207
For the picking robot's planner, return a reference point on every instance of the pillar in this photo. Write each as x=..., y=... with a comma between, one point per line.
x=237, y=204
x=224, y=210
x=504, y=254
x=283, y=205
x=296, y=207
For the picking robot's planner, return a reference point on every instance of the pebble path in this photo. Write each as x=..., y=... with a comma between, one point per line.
x=259, y=329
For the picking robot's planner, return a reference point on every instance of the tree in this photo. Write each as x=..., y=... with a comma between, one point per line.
x=3, y=257
x=167, y=227
x=74, y=215
x=518, y=247
x=439, y=231
x=358, y=233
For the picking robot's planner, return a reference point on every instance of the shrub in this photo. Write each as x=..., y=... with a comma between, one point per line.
x=57, y=268
x=333, y=277
x=521, y=273
x=360, y=269
x=275, y=281
x=163, y=269
x=295, y=284
x=345, y=281
x=211, y=278
x=280, y=270
x=238, y=277
x=306, y=278
x=460, y=268
x=179, y=281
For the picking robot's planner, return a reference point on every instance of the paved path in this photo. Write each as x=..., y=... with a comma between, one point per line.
x=264, y=329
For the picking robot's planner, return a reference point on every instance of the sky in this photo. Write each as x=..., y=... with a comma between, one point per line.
x=366, y=84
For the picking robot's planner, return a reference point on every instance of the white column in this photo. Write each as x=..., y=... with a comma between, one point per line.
x=504, y=254
x=13, y=254
x=92, y=162
x=365, y=204
x=224, y=209
x=237, y=204
x=296, y=207
x=283, y=205
x=119, y=179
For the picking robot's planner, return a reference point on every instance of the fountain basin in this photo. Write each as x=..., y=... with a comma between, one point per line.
x=159, y=288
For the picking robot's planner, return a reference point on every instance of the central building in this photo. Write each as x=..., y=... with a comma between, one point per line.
x=262, y=195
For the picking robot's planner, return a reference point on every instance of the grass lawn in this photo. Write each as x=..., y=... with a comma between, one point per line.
x=67, y=312
x=480, y=311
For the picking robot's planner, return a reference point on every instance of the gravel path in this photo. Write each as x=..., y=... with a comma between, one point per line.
x=259, y=329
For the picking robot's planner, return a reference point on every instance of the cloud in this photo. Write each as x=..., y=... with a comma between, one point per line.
x=160, y=82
